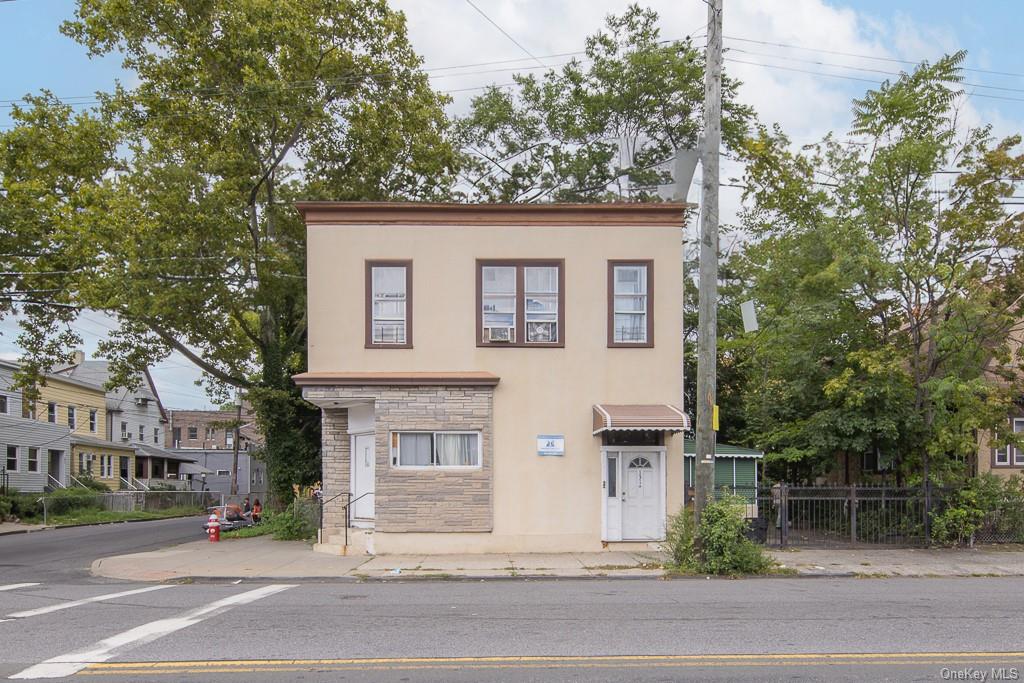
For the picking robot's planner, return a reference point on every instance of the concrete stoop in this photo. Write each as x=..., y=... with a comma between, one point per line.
x=360, y=542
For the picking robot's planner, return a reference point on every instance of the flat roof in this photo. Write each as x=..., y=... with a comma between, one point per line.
x=470, y=378
x=667, y=214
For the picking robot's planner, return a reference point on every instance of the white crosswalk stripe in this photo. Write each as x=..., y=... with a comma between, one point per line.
x=85, y=601
x=16, y=586
x=107, y=649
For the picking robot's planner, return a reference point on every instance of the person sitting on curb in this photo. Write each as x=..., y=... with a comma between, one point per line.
x=257, y=511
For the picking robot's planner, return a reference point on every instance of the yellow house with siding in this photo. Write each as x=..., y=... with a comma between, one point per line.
x=79, y=406
x=111, y=464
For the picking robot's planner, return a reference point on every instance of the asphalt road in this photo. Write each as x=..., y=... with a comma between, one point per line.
x=66, y=554
x=552, y=630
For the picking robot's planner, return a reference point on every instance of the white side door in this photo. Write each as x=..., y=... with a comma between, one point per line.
x=611, y=491
x=641, y=496
x=363, y=467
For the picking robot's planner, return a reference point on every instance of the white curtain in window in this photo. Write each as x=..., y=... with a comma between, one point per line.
x=414, y=449
x=457, y=449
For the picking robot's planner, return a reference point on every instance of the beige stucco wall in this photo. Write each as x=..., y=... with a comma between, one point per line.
x=542, y=390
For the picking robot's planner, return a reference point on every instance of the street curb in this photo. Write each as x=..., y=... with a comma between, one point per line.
x=24, y=531
x=74, y=526
x=526, y=577
x=455, y=578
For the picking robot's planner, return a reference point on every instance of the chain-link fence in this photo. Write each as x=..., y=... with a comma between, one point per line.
x=69, y=500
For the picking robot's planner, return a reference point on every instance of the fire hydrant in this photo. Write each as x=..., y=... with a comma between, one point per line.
x=213, y=529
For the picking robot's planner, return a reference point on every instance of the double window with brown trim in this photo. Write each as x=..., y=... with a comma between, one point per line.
x=389, y=304
x=520, y=302
x=631, y=304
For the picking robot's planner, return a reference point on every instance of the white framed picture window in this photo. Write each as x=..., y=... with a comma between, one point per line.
x=437, y=449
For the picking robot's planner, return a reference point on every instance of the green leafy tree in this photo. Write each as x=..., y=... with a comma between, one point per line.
x=600, y=128
x=889, y=304
x=169, y=206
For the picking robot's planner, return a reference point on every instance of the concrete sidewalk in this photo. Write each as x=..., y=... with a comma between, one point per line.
x=992, y=560
x=19, y=528
x=263, y=558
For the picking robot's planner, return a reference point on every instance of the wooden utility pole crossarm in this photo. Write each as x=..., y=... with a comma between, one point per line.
x=707, y=337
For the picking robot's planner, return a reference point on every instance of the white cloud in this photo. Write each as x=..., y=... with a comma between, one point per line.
x=450, y=32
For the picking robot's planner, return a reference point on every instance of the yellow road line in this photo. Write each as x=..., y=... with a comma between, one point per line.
x=608, y=661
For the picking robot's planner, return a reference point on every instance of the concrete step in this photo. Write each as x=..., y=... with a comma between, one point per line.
x=360, y=542
x=330, y=548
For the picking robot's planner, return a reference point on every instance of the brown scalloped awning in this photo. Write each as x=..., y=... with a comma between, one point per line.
x=639, y=416
x=379, y=379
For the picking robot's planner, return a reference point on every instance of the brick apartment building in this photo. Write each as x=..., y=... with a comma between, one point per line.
x=211, y=429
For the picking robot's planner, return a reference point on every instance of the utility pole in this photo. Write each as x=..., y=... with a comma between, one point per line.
x=707, y=334
x=234, y=445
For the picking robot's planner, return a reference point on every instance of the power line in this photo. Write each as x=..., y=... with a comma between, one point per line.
x=860, y=56
x=504, y=32
x=853, y=78
x=859, y=68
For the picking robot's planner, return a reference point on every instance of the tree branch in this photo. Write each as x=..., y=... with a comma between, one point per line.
x=202, y=364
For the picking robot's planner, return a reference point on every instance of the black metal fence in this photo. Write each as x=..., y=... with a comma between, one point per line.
x=846, y=516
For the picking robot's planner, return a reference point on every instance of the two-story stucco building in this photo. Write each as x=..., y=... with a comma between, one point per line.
x=497, y=377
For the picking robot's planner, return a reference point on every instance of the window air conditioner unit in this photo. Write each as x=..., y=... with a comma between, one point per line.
x=141, y=401
x=124, y=437
x=499, y=334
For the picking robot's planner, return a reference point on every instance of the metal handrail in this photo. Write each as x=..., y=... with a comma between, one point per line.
x=128, y=484
x=55, y=481
x=77, y=482
x=347, y=507
x=141, y=486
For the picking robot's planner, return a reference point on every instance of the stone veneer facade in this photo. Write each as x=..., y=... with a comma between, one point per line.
x=412, y=500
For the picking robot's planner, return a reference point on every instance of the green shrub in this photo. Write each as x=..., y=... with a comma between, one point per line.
x=26, y=507
x=89, y=483
x=984, y=496
x=681, y=542
x=66, y=500
x=725, y=549
x=289, y=526
x=6, y=504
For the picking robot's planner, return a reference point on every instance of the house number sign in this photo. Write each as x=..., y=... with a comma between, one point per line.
x=550, y=444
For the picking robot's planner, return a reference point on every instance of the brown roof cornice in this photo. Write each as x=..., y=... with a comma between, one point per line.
x=350, y=379
x=670, y=214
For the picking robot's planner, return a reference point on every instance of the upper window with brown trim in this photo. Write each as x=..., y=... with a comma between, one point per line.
x=1010, y=455
x=520, y=302
x=389, y=304
x=631, y=303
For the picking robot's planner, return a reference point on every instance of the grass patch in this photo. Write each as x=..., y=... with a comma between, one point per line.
x=284, y=526
x=89, y=516
x=248, y=531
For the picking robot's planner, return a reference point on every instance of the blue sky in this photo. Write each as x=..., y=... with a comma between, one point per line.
x=795, y=35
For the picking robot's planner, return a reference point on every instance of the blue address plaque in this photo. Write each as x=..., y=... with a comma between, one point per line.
x=550, y=444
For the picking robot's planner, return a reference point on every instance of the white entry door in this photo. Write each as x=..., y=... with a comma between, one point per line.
x=363, y=466
x=641, y=495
